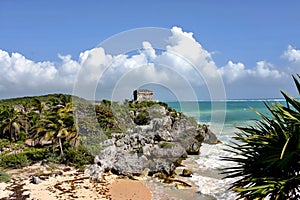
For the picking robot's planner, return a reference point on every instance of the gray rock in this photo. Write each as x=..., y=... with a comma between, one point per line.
x=129, y=163
x=107, y=158
x=108, y=142
x=166, y=159
x=163, y=135
x=119, y=143
x=158, y=147
x=157, y=111
x=95, y=172
x=209, y=137
x=35, y=180
x=163, y=123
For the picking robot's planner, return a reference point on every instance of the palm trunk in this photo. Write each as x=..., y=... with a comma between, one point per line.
x=61, y=148
x=10, y=134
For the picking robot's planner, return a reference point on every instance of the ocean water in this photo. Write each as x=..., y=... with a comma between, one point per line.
x=223, y=118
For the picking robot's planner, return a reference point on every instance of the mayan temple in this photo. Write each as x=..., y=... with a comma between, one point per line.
x=143, y=95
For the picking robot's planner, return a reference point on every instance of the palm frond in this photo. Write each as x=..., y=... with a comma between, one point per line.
x=267, y=154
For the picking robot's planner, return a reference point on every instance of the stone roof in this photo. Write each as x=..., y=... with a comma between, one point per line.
x=144, y=90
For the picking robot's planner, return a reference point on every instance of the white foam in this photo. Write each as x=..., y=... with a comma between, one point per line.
x=217, y=188
x=210, y=157
x=209, y=160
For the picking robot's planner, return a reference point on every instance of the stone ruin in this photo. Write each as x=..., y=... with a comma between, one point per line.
x=143, y=95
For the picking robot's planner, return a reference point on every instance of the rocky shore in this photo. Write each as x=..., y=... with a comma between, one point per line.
x=153, y=148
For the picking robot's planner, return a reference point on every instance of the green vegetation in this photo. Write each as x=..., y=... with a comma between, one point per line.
x=48, y=123
x=14, y=160
x=33, y=129
x=78, y=156
x=268, y=154
x=166, y=144
x=142, y=118
x=106, y=117
x=115, y=118
x=4, y=177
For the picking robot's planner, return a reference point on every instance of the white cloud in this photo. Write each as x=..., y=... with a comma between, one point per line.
x=22, y=76
x=16, y=69
x=234, y=72
x=148, y=50
x=292, y=54
x=266, y=70
x=185, y=46
x=184, y=63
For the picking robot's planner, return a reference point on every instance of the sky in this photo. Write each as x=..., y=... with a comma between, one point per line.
x=209, y=49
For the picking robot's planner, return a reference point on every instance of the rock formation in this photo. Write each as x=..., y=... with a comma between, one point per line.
x=158, y=146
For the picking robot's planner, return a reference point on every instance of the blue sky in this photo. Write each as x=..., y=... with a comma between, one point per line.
x=236, y=34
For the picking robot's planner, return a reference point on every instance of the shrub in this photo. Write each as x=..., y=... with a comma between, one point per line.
x=36, y=154
x=142, y=118
x=4, y=143
x=4, y=177
x=15, y=161
x=78, y=156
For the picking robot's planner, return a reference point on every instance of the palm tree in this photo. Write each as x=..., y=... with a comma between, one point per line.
x=57, y=126
x=38, y=106
x=268, y=154
x=11, y=122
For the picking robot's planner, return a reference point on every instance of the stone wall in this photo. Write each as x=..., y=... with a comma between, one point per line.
x=143, y=95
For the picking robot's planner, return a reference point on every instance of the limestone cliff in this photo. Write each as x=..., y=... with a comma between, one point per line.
x=148, y=136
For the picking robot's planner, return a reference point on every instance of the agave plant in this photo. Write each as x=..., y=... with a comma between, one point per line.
x=268, y=154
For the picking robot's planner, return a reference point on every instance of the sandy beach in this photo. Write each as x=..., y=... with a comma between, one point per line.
x=129, y=189
x=69, y=183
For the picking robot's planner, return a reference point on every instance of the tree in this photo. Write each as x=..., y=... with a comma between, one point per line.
x=57, y=126
x=38, y=106
x=11, y=122
x=268, y=154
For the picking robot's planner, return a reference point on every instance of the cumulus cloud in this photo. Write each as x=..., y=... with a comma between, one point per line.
x=233, y=72
x=266, y=70
x=22, y=76
x=183, y=64
x=292, y=54
x=184, y=45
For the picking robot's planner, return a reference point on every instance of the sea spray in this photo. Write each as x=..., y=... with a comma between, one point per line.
x=208, y=177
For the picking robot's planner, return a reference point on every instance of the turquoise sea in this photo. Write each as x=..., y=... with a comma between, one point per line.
x=236, y=112
x=223, y=117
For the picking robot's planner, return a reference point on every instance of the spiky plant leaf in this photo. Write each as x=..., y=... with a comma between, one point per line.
x=267, y=155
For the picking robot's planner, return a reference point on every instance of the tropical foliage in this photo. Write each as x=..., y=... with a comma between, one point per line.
x=268, y=154
x=49, y=124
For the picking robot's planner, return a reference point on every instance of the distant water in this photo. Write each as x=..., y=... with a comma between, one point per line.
x=223, y=117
